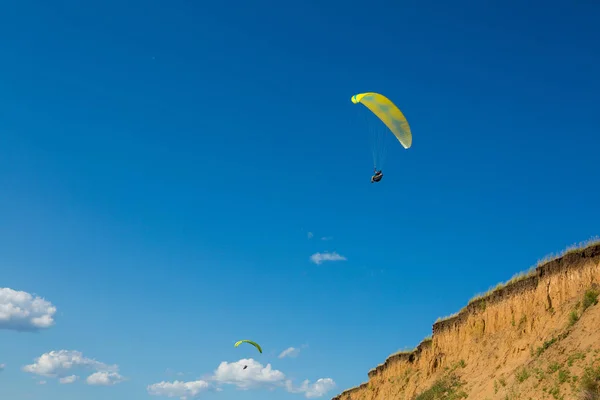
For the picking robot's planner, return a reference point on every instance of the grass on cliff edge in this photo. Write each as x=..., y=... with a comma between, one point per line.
x=528, y=273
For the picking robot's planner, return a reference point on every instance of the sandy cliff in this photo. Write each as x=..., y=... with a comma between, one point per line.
x=537, y=337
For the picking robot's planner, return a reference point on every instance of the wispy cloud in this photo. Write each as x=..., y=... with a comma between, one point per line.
x=183, y=390
x=289, y=352
x=170, y=371
x=310, y=235
x=245, y=374
x=2, y=366
x=314, y=390
x=21, y=311
x=319, y=258
x=62, y=363
x=68, y=379
x=325, y=238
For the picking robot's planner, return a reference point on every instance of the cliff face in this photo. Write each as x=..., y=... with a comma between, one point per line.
x=504, y=344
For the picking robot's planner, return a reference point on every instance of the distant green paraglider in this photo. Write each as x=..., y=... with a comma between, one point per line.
x=250, y=342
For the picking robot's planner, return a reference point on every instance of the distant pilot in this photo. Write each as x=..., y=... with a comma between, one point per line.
x=377, y=176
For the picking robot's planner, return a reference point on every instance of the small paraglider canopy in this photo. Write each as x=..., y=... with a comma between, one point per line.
x=250, y=342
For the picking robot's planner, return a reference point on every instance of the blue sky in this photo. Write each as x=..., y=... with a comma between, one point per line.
x=162, y=165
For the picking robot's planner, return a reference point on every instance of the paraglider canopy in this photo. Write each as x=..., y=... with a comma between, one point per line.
x=388, y=113
x=250, y=342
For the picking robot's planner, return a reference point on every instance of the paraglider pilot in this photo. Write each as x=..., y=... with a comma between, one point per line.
x=377, y=176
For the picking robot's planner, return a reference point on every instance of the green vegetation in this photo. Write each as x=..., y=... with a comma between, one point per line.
x=555, y=392
x=575, y=357
x=590, y=298
x=446, y=388
x=522, y=375
x=573, y=318
x=447, y=317
x=552, y=368
x=553, y=376
x=405, y=351
x=563, y=375
x=570, y=250
x=539, y=374
x=515, y=278
x=545, y=346
x=589, y=385
x=482, y=305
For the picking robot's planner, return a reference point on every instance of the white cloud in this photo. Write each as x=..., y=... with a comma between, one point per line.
x=310, y=235
x=60, y=364
x=319, y=258
x=327, y=238
x=289, y=352
x=22, y=311
x=104, y=378
x=68, y=379
x=2, y=366
x=254, y=376
x=314, y=390
x=41, y=382
x=54, y=363
x=183, y=390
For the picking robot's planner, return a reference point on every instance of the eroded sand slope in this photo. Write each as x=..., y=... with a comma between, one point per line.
x=535, y=338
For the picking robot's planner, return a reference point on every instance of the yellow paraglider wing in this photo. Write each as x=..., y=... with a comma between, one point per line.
x=388, y=113
x=249, y=341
